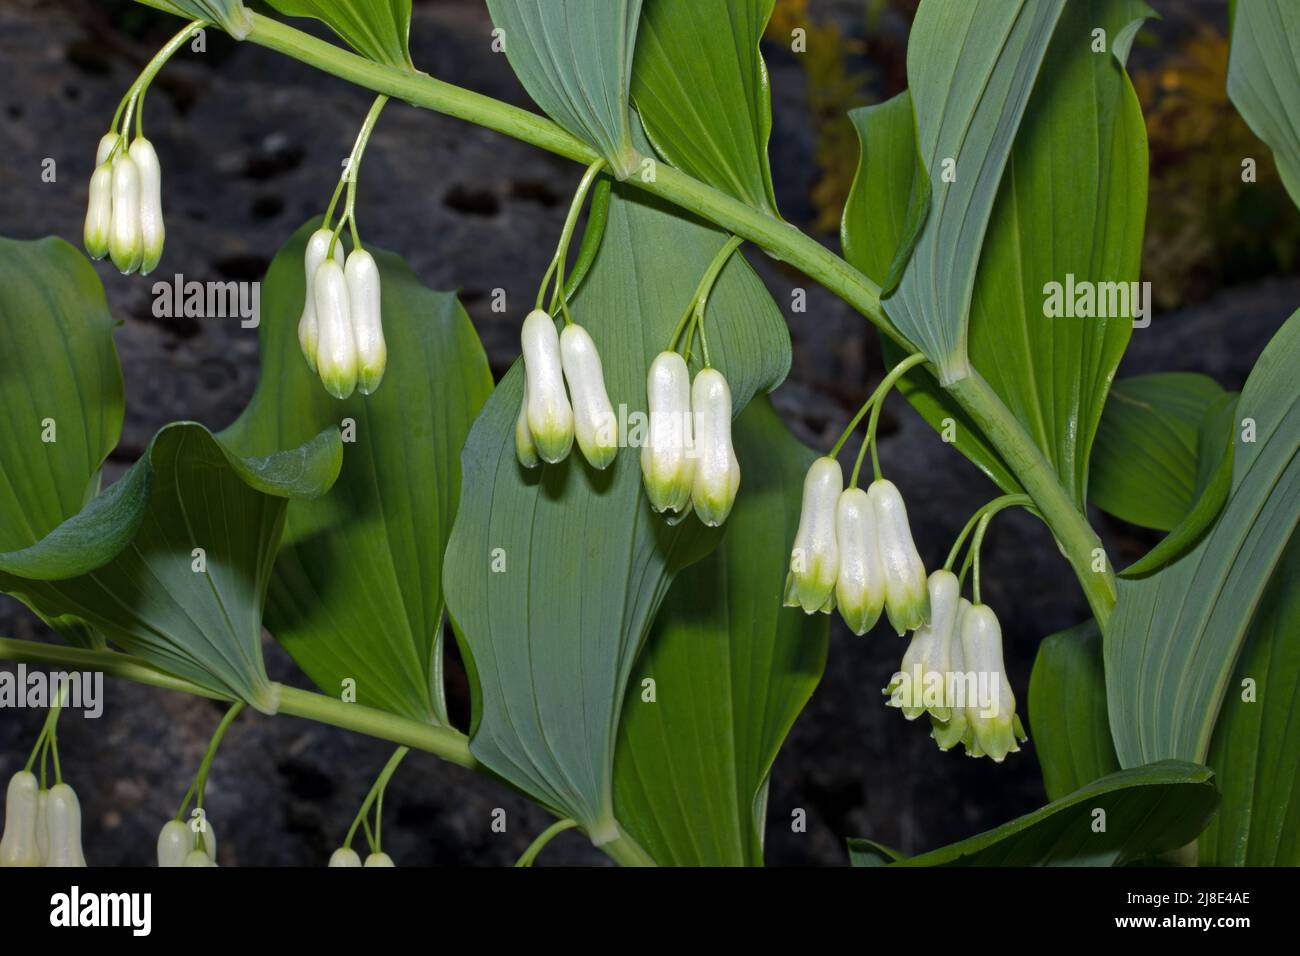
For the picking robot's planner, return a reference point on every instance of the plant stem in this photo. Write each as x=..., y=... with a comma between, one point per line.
x=876, y=402
x=376, y=789
x=543, y=838
x=566, y=235
x=200, y=783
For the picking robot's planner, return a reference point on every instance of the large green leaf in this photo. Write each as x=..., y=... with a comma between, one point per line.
x=377, y=29
x=229, y=15
x=878, y=232
x=1146, y=466
x=685, y=47
x=581, y=562
x=1255, y=751
x=731, y=668
x=357, y=590
x=1067, y=711
x=1264, y=79
x=186, y=591
x=574, y=57
x=1174, y=639
x=1147, y=811
x=61, y=392
x=971, y=68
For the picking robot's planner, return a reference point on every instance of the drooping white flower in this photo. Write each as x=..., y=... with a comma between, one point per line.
x=125, y=243
x=379, y=859
x=525, y=450
x=815, y=558
x=174, y=843
x=860, y=583
x=362, y=274
x=907, y=600
x=550, y=416
x=717, y=472
x=921, y=682
x=308, y=325
x=198, y=858
x=99, y=212
x=667, y=465
x=18, y=846
x=992, y=716
x=63, y=822
x=152, y=230
x=593, y=416
x=336, y=350
x=948, y=733
x=345, y=856
x=107, y=143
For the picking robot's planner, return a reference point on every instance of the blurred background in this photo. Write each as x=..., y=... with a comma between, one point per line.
x=251, y=144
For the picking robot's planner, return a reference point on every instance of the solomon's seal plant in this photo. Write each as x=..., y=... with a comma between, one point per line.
x=639, y=635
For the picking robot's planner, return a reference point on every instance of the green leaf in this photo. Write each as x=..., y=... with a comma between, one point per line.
x=882, y=221
x=1255, y=751
x=552, y=638
x=1146, y=465
x=1067, y=710
x=377, y=29
x=574, y=57
x=971, y=67
x=1175, y=636
x=864, y=852
x=1264, y=80
x=1149, y=810
x=684, y=47
x=61, y=391
x=357, y=590
x=186, y=593
x=1071, y=209
x=731, y=668
x=229, y=15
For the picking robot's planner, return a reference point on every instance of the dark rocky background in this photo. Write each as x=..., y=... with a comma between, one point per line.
x=250, y=143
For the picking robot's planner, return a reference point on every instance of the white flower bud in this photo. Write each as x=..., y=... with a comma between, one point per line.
x=860, y=583
x=922, y=679
x=18, y=846
x=594, y=423
x=524, y=447
x=198, y=858
x=717, y=472
x=174, y=843
x=99, y=211
x=948, y=733
x=367, y=319
x=43, y=826
x=907, y=601
x=336, y=351
x=344, y=856
x=124, y=241
x=152, y=231
x=106, y=144
x=63, y=821
x=992, y=716
x=667, y=465
x=379, y=859
x=308, y=326
x=550, y=417
x=205, y=837
x=815, y=558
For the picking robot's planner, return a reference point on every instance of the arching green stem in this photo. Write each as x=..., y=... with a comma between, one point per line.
x=376, y=793
x=198, y=787
x=543, y=838
x=556, y=268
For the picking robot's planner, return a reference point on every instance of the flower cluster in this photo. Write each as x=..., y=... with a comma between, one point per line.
x=953, y=669
x=179, y=844
x=42, y=827
x=549, y=415
x=124, y=218
x=688, y=460
x=854, y=551
x=346, y=856
x=341, y=330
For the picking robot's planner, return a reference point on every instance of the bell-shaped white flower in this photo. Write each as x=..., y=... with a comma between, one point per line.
x=175, y=841
x=107, y=143
x=955, y=729
x=550, y=416
x=907, y=600
x=992, y=716
x=345, y=856
x=860, y=583
x=18, y=845
x=336, y=350
x=593, y=416
x=525, y=450
x=717, y=472
x=362, y=274
x=125, y=242
x=43, y=826
x=815, y=558
x=379, y=859
x=308, y=325
x=667, y=462
x=921, y=682
x=99, y=212
x=198, y=858
x=63, y=823
x=152, y=230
